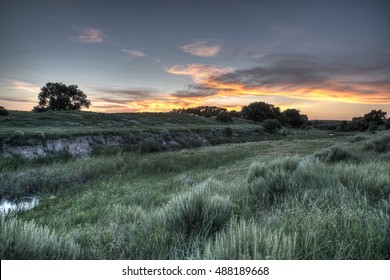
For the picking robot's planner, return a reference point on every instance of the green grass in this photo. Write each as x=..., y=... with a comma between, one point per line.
x=274, y=199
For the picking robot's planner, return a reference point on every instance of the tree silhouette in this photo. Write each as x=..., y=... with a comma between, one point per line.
x=260, y=111
x=60, y=97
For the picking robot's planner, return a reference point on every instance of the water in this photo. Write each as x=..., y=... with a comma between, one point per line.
x=24, y=203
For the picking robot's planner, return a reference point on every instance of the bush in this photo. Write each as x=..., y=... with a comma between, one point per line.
x=272, y=125
x=26, y=240
x=372, y=128
x=150, y=145
x=334, y=154
x=249, y=241
x=357, y=138
x=366, y=180
x=39, y=135
x=286, y=164
x=3, y=111
x=228, y=131
x=379, y=145
x=198, y=213
x=223, y=117
x=18, y=134
x=267, y=189
x=387, y=124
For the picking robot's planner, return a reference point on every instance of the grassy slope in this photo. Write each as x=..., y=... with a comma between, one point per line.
x=60, y=124
x=296, y=199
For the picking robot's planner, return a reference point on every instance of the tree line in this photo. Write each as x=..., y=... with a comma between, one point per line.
x=255, y=111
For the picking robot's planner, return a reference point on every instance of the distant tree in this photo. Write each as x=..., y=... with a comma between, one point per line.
x=3, y=111
x=293, y=117
x=235, y=114
x=60, y=97
x=260, y=111
x=272, y=125
x=375, y=116
x=224, y=117
x=204, y=111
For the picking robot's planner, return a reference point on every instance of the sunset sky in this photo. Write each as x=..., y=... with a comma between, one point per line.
x=330, y=59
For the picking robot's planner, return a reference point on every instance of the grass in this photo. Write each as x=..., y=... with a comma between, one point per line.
x=274, y=199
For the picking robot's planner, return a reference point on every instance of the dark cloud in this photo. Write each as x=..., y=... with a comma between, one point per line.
x=289, y=72
x=124, y=95
x=129, y=92
x=194, y=93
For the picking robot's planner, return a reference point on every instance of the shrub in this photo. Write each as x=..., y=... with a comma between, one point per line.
x=387, y=124
x=150, y=145
x=372, y=128
x=18, y=134
x=272, y=125
x=357, y=138
x=228, y=131
x=3, y=111
x=39, y=135
x=286, y=164
x=223, y=117
x=249, y=241
x=379, y=145
x=367, y=180
x=267, y=189
x=334, y=154
x=26, y=240
x=197, y=213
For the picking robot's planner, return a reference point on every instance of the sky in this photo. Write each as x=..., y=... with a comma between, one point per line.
x=329, y=59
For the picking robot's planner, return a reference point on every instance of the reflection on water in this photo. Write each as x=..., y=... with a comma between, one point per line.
x=24, y=203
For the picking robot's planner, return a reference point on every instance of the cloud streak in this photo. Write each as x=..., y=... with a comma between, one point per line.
x=203, y=48
x=134, y=53
x=89, y=36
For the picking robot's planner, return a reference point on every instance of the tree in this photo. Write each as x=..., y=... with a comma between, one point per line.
x=260, y=111
x=205, y=111
x=3, y=111
x=375, y=116
x=224, y=117
x=60, y=97
x=293, y=117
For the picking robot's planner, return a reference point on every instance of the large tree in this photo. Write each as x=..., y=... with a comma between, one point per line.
x=260, y=111
x=60, y=97
x=293, y=117
x=375, y=117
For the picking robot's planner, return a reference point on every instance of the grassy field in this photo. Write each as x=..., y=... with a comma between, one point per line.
x=304, y=197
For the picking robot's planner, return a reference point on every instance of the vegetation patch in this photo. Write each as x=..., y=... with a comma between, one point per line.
x=335, y=154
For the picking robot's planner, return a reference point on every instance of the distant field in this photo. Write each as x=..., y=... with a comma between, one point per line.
x=307, y=195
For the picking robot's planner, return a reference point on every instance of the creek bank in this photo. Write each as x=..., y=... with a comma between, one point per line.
x=143, y=141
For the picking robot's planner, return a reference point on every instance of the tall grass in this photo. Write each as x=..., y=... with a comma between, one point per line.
x=379, y=145
x=26, y=240
x=51, y=178
x=248, y=240
x=335, y=154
